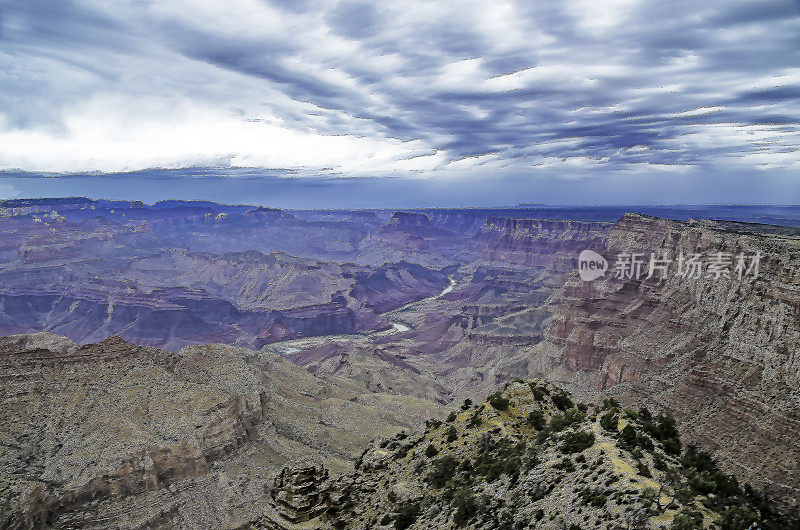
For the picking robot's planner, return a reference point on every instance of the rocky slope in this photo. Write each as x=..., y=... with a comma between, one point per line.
x=116, y=435
x=529, y=457
x=721, y=354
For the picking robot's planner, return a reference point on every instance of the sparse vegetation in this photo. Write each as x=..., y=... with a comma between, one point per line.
x=498, y=401
x=408, y=515
x=536, y=448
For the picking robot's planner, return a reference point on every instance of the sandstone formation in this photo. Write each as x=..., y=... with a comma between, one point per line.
x=360, y=335
x=721, y=354
x=113, y=434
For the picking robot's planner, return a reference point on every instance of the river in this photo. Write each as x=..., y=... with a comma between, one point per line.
x=293, y=346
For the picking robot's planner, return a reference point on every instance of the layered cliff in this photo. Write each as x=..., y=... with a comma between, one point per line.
x=719, y=352
x=539, y=242
x=97, y=277
x=116, y=435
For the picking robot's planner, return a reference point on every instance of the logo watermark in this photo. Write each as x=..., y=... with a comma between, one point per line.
x=591, y=265
x=633, y=265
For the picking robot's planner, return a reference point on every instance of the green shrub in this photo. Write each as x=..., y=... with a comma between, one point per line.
x=539, y=393
x=662, y=428
x=467, y=404
x=738, y=517
x=565, y=464
x=699, y=460
x=577, y=441
x=452, y=417
x=443, y=470
x=672, y=446
x=431, y=451
x=402, y=452
x=570, y=418
x=451, y=434
x=498, y=401
x=659, y=462
x=536, y=420
x=562, y=400
x=627, y=438
x=609, y=421
x=432, y=423
x=557, y=423
x=610, y=404
x=687, y=519
x=466, y=506
x=531, y=459
x=594, y=497
x=499, y=457
x=408, y=515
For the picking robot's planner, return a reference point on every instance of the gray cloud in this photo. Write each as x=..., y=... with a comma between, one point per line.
x=555, y=90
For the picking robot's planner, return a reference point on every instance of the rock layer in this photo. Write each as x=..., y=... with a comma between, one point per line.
x=721, y=354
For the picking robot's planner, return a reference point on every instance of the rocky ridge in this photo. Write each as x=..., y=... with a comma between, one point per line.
x=528, y=457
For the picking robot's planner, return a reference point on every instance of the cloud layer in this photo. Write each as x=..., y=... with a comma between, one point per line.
x=569, y=90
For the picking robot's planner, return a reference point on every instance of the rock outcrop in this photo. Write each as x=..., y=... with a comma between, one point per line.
x=305, y=491
x=529, y=457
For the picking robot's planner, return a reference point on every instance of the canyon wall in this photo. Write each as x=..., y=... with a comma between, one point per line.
x=720, y=353
x=539, y=242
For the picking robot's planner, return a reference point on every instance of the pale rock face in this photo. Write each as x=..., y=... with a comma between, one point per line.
x=122, y=435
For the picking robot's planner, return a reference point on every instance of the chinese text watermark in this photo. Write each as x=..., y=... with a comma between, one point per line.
x=633, y=265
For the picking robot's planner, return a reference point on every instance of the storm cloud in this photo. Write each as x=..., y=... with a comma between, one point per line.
x=540, y=92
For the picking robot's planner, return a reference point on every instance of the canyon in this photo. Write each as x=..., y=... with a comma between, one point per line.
x=183, y=363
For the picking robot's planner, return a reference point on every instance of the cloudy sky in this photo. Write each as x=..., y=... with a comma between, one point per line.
x=299, y=102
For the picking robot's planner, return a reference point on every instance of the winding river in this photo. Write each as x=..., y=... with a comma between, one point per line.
x=293, y=346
